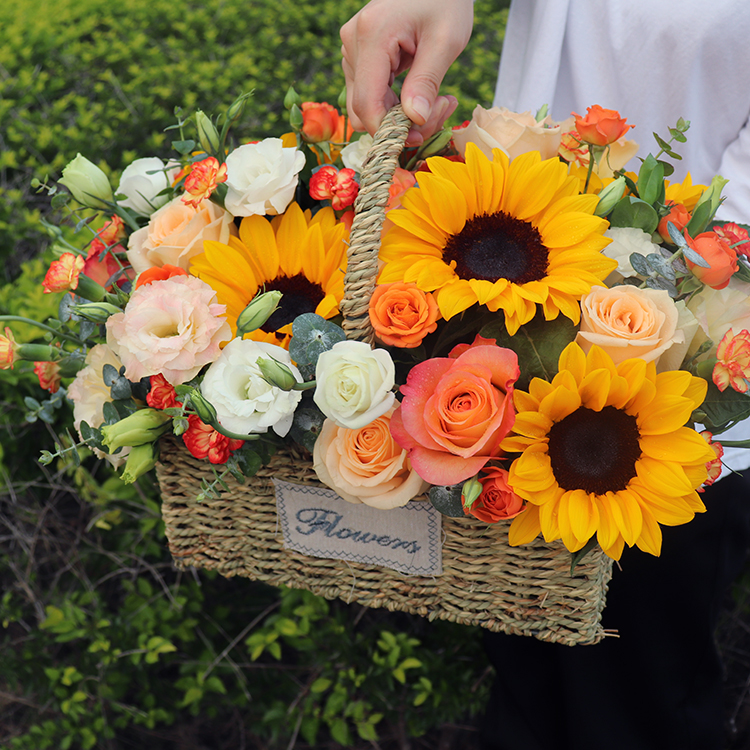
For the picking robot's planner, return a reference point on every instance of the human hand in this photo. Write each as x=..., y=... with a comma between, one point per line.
x=388, y=37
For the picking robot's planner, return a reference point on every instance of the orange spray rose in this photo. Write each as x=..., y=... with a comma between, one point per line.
x=600, y=126
x=402, y=314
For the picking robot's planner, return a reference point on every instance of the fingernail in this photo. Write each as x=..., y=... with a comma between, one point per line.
x=422, y=107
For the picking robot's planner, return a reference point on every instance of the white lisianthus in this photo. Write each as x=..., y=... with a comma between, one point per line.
x=353, y=155
x=141, y=182
x=89, y=394
x=86, y=182
x=245, y=403
x=625, y=241
x=262, y=178
x=718, y=310
x=355, y=383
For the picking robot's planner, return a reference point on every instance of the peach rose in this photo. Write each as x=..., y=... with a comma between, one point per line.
x=716, y=251
x=629, y=322
x=497, y=500
x=600, y=126
x=402, y=314
x=322, y=122
x=513, y=132
x=366, y=465
x=175, y=234
x=456, y=411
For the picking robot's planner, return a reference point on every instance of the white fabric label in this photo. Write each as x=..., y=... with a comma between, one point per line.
x=317, y=522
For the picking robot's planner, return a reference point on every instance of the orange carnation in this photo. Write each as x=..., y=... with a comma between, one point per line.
x=159, y=273
x=733, y=362
x=402, y=314
x=63, y=273
x=203, y=179
x=600, y=126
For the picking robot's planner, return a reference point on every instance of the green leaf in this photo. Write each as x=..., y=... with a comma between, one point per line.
x=340, y=732
x=576, y=557
x=720, y=410
x=651, y=180
x=320, y=685
x=702, y=214
x=634, y=212
x=306, y=425
x=366, y=731
x=183, y=147
x=248, y=460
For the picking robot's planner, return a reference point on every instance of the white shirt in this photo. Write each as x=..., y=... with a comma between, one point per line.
x=654, y=61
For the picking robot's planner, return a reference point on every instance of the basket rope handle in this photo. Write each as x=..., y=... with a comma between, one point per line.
x=369, y=214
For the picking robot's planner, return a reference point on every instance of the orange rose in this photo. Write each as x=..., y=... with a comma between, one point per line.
x=600, y=126
x=678, y=215
x=366, y=465
x=321, y=122
x=402, y=314
x=497, y=500
x=716, y=251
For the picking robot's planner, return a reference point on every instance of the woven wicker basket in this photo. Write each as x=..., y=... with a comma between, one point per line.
x=519, y=590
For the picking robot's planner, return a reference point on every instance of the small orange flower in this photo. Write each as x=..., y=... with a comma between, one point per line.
x=714, y=466
x=62, y=275
x=717, y=252
x=162, y=394
x=159, y=273
x=108, y=236
x=203, y=441
x=49, y=375
x=678, y=215
x=202, y=180
x=600, y=126
x=733, y=362
x=8, y=348
x=322, y=122
x=335, y=185
x=497, y=500
x=402, y=314
x=403, y=179
x=736, y=236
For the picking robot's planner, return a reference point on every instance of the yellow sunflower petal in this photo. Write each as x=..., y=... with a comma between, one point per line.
x=626, y=513
x=650, y=537
x=607, y=532
x=525, y=527
x=683, y=444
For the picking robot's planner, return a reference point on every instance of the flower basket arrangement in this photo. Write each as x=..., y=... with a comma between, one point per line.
x=503, y=335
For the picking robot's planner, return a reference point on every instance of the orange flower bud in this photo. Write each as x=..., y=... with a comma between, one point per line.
x=716, y=251
x=335, y=185
x=62, y=275
x=733, y=362
x=600, y=126
x=497, y=500
x=402, y=314
x=678, y=215
x=203, y=179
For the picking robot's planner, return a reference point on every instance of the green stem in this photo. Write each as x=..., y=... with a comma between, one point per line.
x=732, y=443
x=28, y=321
x=591, y=168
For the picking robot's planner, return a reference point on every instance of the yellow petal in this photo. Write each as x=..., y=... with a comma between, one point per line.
x=525, y=527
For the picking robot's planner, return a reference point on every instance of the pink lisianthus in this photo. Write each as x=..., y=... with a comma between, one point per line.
x=733, y=362
x=173, y=327
x=456, y=411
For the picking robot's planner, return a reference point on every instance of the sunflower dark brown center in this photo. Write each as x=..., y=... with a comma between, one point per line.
x=498, y=246
x=595, y=451
x=300, y=295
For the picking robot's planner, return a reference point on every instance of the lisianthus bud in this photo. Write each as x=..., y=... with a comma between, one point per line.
x=87, y=183
x=257, y=312
x=713, y=194
x=140, y=427
x=436, y=143
x=276, y=373
x=208, y=135
x=342, y=101
x=98, y=312
x=141, y=458
x=237, y=107
x=202, y=407
x=610, y=196
x=37, y=352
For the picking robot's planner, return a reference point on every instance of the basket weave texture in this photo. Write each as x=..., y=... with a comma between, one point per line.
x=524, y=590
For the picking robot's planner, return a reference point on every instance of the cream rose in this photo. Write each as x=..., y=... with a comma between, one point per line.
x=245, y=403
x=512, y=132
x=353, y=155
x=176, y=233
x=366, y=465
x=354, y=383
x=262, y=177
x=141, y=182
x=625, y=242
x=89, y=394
x=171, y=327
x=629, y=322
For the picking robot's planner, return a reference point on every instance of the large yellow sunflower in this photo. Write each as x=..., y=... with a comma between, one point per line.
x=604, y=451
x=302, y=256
x=506, y=235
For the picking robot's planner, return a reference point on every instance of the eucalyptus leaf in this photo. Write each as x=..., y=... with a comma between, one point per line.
x=447, y=500
x=120, y=389
x=678, y=135
x=661, y=265
x=640, y=264
x=111, y=415
x=306, y=426
x=87, y=329
x=694, y=257
x=183, y=147
x=248, y=460
x=311, y=336
x=676, y=235
x=65, y=310
x=110, y=375
x=656, y=282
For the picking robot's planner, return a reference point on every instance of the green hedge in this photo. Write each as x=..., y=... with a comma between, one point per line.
x=104, y=78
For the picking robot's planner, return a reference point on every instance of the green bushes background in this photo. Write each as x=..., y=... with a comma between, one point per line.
x=103, y=644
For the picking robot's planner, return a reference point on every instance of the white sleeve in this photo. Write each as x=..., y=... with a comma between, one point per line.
x=735, y=167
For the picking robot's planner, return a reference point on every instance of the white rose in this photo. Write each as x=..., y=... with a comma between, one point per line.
x=354, y=154
x=245, y=403
x=262, y=177
x=625, y=241
x=89, y=394
x=141, y=182
x=354, y=383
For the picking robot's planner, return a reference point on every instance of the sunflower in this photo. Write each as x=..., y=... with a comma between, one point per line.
x=505, y=235
x=604, y=451
x=301, y=256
